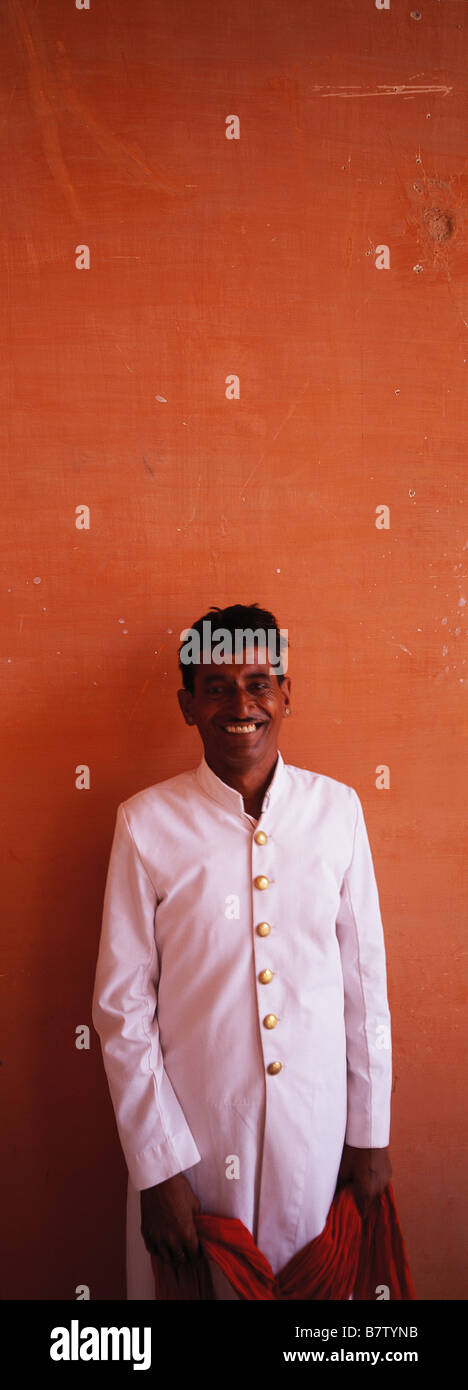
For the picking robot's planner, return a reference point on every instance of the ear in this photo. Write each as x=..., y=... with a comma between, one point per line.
x=185, y=699
x=285, y=688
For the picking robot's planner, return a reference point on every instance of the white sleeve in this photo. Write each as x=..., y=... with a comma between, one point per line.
x=367, y=1016
x=155, y=1137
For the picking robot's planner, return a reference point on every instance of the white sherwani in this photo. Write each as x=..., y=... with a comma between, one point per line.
x=180, y=1007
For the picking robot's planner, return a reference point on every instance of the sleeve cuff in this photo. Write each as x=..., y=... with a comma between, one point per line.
x=367, y=1134
x=160, y=1161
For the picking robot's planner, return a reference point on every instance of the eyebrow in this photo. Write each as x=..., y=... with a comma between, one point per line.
x=221, y=677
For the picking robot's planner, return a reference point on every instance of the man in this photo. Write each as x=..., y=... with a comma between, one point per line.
x=240, y=992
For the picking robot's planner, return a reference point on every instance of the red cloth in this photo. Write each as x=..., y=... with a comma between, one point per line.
x=350, y=1256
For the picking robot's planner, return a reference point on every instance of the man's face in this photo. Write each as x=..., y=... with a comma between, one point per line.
x=238, y=710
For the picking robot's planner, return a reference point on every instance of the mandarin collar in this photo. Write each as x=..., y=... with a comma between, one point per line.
x=233, y=800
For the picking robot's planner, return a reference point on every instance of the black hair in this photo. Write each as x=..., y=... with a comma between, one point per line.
x=238, y=616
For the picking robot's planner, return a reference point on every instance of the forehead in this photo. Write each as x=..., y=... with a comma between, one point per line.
x=233, y=671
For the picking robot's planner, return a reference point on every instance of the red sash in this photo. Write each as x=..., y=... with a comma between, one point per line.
x=350, y=1256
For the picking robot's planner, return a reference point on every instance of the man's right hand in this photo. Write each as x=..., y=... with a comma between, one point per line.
x=168, y=1220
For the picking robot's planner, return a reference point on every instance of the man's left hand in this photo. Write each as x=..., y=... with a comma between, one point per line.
x=367, y=1171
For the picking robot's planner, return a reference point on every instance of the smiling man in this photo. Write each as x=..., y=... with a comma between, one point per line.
x=240, y=991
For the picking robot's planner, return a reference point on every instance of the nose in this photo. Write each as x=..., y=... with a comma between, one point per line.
x=240, y=704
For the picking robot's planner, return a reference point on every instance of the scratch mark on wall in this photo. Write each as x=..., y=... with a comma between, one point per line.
x=10, y=99
x=141, y=692
x=117, y=150
x=192, y=517
x=146, y=683
x=114, y=147
x=129, y=369
x=452, y=295
x=45, y=113
x=401, y=89
x=274, y=436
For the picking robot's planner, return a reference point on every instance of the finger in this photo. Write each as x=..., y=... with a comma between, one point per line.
x=161, y=1249
x=193, y=1249
x=165, y=1253
x=177, y=1256
x=359, y=1197
x=151, y=1245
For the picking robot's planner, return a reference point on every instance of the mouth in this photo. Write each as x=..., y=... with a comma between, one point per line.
x=238, y=729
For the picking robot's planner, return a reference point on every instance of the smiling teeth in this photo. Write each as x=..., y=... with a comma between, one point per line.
x=240, y=728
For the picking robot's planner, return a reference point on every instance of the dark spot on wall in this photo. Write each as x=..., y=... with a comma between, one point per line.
x=439, y=224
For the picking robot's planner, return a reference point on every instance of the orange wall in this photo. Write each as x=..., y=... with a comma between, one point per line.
x=210, y=257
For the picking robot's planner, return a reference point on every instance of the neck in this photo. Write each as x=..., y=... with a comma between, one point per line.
x=252, y=783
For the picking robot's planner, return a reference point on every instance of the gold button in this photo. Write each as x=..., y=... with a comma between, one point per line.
x=274, y=1068
x=261, y=881
x=260, y=837
x=263, y=929
x=265, y=976
x=270, y=1021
